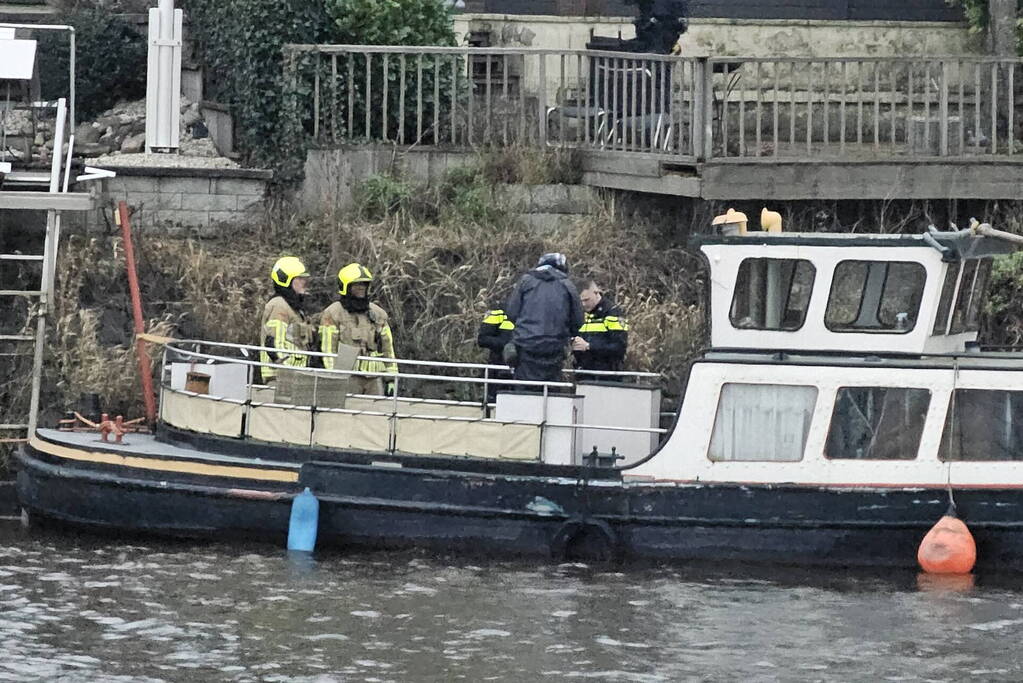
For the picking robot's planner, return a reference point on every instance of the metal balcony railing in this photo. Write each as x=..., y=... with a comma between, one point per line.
x=687, y=109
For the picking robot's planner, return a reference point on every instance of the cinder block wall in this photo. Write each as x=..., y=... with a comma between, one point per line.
x=188, y=199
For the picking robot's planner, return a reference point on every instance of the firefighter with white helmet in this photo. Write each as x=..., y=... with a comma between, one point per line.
x=284, y=326
x=356, y=321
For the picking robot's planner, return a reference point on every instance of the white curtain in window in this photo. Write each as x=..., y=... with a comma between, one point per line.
x=762, y=422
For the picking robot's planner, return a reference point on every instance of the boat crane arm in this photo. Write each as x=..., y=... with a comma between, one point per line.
x=986, y=230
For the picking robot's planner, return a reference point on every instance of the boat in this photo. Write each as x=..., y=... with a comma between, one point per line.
x=842, y=405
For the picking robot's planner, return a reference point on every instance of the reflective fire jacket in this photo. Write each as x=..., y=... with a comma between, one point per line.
x=285, y=329
x=368, y=332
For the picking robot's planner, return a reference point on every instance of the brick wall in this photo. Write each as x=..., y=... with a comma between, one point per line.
x=193, y=199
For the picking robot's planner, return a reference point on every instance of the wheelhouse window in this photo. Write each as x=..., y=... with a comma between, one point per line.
x=877, y=423
x=875, y=296
x=972, y=286
x=948, y=290
x=983, y=425
x=772, y=294
x=762, y=422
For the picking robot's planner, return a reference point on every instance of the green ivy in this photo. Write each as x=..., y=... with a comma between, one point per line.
x=241, y=44
x=977, y=17
x=110, y=61
x=392, y=22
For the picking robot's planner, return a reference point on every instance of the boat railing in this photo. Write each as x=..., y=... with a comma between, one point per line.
x=382, y=421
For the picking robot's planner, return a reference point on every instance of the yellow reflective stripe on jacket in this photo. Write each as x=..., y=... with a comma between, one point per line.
x=498, y=317
x=613, y=322
x=387, y=341
x=279, y=330
x=328, y=335
x=494, y=317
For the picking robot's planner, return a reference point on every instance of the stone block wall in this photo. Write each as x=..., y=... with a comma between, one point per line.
x=332, y=175
x=549, y=208
x=188, y=199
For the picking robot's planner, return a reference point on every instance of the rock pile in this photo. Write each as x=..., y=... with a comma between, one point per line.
x=120, y=130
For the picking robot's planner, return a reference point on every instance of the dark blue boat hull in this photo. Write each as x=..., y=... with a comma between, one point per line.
x=555, y=517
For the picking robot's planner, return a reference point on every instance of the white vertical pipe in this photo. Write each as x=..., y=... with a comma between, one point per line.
x=67, y=161
x=163, y=76
x=58, y=145
x=164, y=57
x=152, y=80
x=71, y=76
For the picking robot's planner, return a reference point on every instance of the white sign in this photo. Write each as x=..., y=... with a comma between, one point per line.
x=17, y=58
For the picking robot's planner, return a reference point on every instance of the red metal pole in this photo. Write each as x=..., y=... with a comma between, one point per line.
x=145, y=370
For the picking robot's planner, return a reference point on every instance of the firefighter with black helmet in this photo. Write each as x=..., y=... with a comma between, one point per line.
x=356, y=321
x=284, y=326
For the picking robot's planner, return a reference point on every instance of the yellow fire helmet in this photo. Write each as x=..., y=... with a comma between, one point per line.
x=350, y=274
x=287, y=269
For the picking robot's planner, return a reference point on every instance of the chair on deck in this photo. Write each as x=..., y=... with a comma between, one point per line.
x=628, y=106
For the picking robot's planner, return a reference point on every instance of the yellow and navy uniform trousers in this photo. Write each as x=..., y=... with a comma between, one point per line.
x=607, y=332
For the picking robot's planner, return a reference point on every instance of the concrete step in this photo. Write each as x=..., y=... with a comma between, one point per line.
x=26, y=12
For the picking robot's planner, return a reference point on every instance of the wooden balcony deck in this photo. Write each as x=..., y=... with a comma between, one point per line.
x=795, y=178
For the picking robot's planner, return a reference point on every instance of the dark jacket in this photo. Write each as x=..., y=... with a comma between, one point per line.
x=495, y=331
x=607, y=332
x=546, y=311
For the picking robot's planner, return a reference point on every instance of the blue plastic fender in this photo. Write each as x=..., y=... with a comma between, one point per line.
x=305, y=518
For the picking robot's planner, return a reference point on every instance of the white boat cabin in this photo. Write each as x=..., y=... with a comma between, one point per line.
x=848, y=360
x=844, y=292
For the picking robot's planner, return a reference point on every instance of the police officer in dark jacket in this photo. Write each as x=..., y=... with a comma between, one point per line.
x=494, y=334
x=547, y=313
x=604, y=335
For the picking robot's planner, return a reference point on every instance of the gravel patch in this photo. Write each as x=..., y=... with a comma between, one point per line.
x=162, y=161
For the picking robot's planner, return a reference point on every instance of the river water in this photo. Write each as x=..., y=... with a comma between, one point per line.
x=78, y=608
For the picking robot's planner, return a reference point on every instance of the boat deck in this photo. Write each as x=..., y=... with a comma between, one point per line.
x=147, y=445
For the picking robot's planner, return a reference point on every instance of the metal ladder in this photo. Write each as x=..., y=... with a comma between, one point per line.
x=13, y=345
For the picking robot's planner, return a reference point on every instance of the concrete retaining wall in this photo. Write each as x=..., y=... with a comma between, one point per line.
x=187, y=198
x=332, y=175
x=549, y=208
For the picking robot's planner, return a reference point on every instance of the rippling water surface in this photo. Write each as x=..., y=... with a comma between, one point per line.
x=83, y=608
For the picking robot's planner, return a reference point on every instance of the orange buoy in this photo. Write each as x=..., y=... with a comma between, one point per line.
x=948, y=548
